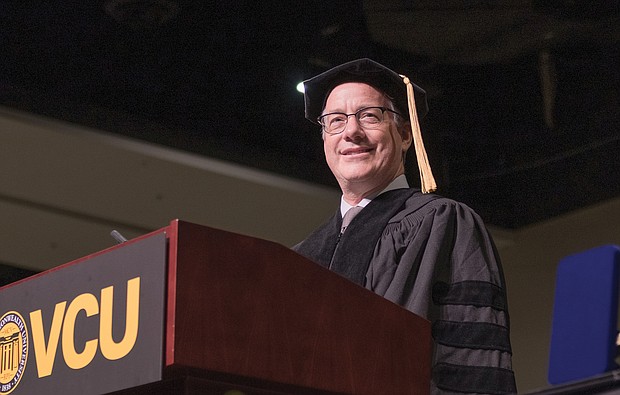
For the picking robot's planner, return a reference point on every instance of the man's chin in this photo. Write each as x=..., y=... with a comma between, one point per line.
x=358, y=181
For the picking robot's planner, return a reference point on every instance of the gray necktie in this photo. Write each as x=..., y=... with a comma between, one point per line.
x=348, y=217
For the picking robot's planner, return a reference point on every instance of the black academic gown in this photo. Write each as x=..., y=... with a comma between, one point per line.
x=434, y=257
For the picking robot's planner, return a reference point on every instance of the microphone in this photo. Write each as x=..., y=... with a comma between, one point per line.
x=120, y=239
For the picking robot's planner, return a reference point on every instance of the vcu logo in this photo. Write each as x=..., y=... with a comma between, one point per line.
x=63, y=329
x=13, y=351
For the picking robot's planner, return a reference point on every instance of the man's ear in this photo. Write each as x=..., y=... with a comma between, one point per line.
x=406, y=136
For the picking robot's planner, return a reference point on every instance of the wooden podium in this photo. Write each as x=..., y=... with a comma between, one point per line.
x=217, y=313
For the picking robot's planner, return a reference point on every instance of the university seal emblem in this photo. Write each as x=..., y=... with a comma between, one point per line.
x=13, y=351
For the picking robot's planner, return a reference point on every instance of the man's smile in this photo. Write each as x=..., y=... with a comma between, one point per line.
x=355, y=151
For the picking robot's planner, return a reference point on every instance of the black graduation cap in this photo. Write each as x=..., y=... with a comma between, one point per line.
x=317, y=88
x=407, y=97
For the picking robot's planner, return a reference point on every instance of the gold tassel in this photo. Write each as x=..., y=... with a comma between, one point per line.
x=426, y=175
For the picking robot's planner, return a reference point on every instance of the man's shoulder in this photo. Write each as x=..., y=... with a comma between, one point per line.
x=421, y=205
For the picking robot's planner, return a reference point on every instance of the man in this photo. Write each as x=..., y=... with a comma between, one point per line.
x=429, y=254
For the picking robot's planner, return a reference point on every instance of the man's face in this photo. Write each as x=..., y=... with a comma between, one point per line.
x=364, y=161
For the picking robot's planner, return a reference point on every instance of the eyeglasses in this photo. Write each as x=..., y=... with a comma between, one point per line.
x=367, y=118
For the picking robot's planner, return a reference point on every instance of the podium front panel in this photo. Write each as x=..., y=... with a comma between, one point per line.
x=87, y=327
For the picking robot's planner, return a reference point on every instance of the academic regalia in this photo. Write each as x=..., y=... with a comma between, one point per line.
x=429, y=254
x=434, y=257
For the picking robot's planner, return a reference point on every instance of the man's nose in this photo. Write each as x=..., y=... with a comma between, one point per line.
x=352, y=129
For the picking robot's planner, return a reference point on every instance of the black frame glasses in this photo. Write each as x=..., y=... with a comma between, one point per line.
x=367, y=117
